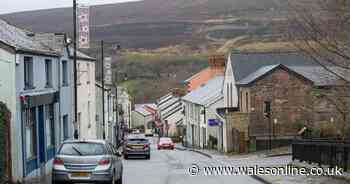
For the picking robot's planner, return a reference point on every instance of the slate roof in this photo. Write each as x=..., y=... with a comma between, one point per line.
x=80, y=55
x=22, y=41
x=208, y=92
x=50, y=40
x=141, y=109
x=246, y=63
x=316, y=74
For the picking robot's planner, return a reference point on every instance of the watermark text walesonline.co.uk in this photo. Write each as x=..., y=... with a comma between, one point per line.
x=289, y=170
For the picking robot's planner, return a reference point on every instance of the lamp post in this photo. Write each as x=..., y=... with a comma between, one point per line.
x=76, y=134
x=103, y=92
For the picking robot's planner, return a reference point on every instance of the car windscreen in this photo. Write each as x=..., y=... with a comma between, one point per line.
x=137, y=141
x=165, y=140
x=82, y=149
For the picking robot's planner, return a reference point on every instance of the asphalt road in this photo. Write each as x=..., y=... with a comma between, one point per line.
x=171, y=167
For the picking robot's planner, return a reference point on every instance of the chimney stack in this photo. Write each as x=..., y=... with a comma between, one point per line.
x=217, y=64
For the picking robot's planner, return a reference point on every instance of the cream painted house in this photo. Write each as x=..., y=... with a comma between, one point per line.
x=86, y=120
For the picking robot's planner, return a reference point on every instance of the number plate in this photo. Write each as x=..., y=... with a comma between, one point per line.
x=80, y=175
x=137, y=147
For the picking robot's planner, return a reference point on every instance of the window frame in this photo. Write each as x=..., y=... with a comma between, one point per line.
x=65, y=77
x=50, y=125
x=48, y=73
x=28, y=72
x=65, y=122
x=31, y=126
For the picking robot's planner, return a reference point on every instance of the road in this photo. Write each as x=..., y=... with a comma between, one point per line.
x=171, y=167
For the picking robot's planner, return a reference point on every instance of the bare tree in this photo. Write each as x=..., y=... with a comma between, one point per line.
x=321, y=29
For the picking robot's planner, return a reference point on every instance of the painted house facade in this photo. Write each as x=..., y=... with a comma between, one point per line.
x=39, y=93
x=7, y=96
x=57, y=41
x=35, y=129
x=109, y=127
x=124, y=106
x=143, y=116
x=170, y=114
x=86, y=118
x=200, y=109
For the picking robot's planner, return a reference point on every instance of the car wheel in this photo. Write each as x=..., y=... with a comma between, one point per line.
x=120, y=181
x=113, y=178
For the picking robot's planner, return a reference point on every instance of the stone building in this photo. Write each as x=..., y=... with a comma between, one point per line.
x=283, y=82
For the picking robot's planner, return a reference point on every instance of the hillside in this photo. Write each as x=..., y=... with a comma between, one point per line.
x=155, y=23
x=165, y=41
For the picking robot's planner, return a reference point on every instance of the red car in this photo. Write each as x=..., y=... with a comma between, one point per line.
x=165, y=143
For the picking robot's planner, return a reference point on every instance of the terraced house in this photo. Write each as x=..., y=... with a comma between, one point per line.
x=39, y=93
x=170, y=114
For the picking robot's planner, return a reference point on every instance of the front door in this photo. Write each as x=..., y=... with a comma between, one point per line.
x=41, y=134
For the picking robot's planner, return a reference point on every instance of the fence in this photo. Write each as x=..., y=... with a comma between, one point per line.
x=323, y=152
x=5, y=151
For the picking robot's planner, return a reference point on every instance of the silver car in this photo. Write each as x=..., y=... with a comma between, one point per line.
x=87, y=161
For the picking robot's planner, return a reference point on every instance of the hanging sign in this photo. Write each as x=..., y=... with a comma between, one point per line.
x=83, y=20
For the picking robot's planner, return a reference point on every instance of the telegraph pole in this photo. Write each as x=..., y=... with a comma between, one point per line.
x=103, y=91
x=76, y=135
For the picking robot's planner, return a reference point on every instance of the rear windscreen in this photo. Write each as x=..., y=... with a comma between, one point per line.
x=82, y=149
x=137, y=141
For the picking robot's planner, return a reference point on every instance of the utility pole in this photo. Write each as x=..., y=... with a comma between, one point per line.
x=76, y=134
x=103, y=91
x=117, y=129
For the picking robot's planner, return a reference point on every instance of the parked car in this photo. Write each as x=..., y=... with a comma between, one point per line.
x=165, y=143
x=137, y=146
x=87, y=161
x=149, y=132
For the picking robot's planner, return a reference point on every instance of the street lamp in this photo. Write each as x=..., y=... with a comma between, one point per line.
x=76, y=134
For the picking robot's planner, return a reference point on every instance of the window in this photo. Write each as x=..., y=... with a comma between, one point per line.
x=28, y=73
x=65, y=127
x=65, y=73
x=49, y=125
x=30, y=132
x=83, y=149
x=231, y=95
x=228, y=96
x=48, y=72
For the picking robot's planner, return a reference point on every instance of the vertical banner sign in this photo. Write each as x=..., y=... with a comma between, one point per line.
x=108, y=70
x=83, y=13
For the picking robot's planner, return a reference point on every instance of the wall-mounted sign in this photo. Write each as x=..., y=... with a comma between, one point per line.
x=214, y=122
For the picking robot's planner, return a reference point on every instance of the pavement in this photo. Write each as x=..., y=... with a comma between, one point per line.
x=275, y=158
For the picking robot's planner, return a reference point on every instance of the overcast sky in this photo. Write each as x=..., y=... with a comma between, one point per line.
x=10, y=6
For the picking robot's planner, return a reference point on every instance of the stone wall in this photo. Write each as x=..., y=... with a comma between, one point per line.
x=294, y=104
x=236, y=122
x=291, y=102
